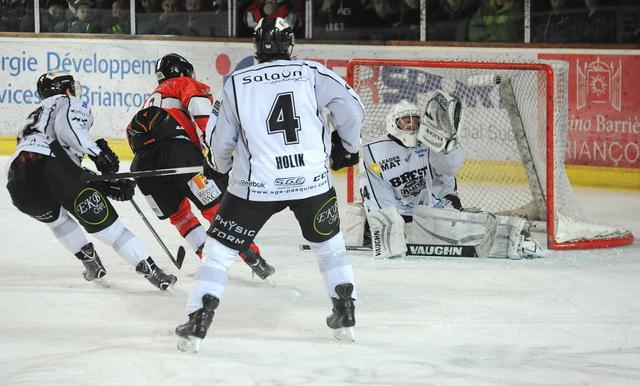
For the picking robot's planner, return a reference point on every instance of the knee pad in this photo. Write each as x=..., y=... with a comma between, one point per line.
x=217, y=254
x=332, y=247
x=68, y=232
x=123, y=242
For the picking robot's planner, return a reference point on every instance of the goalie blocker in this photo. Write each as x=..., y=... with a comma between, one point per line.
x=443, y=232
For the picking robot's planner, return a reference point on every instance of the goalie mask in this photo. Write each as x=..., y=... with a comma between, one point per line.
x=440, y=122
x=403, y=121
x=54, y=83
x=173, y=66
x=273, y=39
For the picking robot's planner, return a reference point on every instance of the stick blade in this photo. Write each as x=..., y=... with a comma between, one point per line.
x=180, y=257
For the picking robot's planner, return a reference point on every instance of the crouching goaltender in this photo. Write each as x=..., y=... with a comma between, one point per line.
x=409, y=190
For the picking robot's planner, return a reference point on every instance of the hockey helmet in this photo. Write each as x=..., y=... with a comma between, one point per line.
x=54, y=83
x=273, y=39
x=403, y=121
x=173, y=66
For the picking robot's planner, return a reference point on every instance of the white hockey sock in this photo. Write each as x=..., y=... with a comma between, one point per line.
x=335, y=264
x=196, y=237
x=211, y=277
x=125, y=243
x=68, y=232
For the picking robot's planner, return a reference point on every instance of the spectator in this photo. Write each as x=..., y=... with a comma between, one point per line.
x=169, y=21
x=148, y=13
x=598, y=23
x=84, y=22
x=450, y=20
x=338, y=19
x=559, y=25
x=11, y=12
x=219, y=22
x=197, y=20
x=269, y=9
x=409, y=17
x=120, y=21
x=498, y=21
x=51, y=13
x=386, y=15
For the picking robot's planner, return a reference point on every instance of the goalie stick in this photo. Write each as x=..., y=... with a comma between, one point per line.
x=428, y=250
x=142, y=173
x=179, y=256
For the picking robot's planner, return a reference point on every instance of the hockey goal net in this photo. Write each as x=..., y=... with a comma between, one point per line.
x=514, y=133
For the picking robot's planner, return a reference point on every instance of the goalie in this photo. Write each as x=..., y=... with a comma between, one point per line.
x=408, y=185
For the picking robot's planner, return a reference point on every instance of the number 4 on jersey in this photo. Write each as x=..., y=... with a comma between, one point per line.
x=283, y=118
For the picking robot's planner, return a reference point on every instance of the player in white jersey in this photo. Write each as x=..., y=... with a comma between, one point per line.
x=408, y=176
x=45, y=181
x=269, y=120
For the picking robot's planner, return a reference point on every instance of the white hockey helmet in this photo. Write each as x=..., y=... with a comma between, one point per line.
x=403, y=121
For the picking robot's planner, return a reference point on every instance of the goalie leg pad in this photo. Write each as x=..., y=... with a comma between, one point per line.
x=353, y=225
x=387, y=233
x=452, y=227
x=514, y=240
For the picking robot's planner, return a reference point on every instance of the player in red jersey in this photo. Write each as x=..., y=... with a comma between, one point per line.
x=189, y=103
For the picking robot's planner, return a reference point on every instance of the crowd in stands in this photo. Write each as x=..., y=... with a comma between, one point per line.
x=552, y=21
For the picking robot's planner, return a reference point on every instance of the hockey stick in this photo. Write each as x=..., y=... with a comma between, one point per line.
x=142, y=173
x=179, y=256
x=429, y=250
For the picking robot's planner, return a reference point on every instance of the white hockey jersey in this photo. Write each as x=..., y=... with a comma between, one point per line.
x=392, y=175
x=270, y=115
x=58, y=117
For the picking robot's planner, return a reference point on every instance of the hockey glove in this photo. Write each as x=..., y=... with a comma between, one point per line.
x=440, y=122
x=119, y=190
x=340, y=157
x=449, y=201
x=107, y=161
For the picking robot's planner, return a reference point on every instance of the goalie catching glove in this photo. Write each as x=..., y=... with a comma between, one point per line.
x=340, y=157
x=440, y=122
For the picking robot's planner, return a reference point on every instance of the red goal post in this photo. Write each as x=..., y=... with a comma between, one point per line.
x=514, y=131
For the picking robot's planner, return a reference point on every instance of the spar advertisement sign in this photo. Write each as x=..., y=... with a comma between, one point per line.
x=604, y=109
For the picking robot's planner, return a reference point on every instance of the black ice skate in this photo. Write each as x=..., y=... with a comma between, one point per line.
x=94, y=269
x=343, y=317
x=155, y=275
x=192, y=332
x=258, y=265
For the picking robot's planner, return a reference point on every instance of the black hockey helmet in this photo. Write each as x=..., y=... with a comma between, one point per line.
x=151, y=125
x=273, y=39
x=54, y=83
x=173, y=66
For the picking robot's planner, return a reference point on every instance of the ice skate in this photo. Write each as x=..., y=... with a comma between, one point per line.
x=191, y=333
x=94, y=270
x=155, y=275
x=258, y=265
x=343, y=318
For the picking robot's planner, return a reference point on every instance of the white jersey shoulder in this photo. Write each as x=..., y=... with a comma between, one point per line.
x=60, y=117
x=269, y=114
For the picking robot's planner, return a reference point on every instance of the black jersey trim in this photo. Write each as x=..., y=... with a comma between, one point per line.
x=241, y=131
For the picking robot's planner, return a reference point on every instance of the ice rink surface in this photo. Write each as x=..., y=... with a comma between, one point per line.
x=572, y=318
